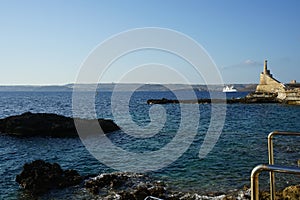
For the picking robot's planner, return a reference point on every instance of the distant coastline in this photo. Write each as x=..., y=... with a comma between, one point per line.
x=121, y=87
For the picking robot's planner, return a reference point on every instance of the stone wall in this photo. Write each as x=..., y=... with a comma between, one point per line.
x=290, y=96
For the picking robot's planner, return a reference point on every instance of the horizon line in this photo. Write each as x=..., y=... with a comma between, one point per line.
x=61, y=85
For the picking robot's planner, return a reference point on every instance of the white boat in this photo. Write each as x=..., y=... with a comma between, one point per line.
x=229, y=89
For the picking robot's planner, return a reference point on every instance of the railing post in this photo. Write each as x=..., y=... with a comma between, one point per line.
x=271, y=162
x=271, y=157
x=255, y=182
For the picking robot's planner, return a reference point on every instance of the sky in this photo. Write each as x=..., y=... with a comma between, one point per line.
x=46, y=42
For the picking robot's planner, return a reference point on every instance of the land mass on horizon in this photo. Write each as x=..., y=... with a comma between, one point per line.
x=122, y=87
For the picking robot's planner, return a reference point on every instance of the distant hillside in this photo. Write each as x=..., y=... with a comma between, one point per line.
x=26, y=88
x=245, y=87
x=123, y=87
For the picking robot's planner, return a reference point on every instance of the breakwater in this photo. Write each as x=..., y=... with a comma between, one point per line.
x=251, y=98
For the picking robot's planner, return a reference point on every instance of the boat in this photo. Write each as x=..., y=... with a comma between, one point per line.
x=229, y=89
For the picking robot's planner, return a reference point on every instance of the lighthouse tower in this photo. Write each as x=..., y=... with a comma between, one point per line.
x=266, y=71
x=268, y=84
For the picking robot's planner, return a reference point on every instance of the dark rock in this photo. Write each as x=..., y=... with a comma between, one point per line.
x=162, y=101
x=141, y=192
x=53, y=125
x=158, y=191
x=40, y=176
x=126, y=195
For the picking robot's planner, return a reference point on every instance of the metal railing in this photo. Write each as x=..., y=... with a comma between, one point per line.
x=271, y=167
x=271, y=157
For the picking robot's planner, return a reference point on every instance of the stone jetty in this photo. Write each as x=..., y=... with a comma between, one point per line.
x=46, y=124
x=269, y=90
x=251, y=98
x=288, y=93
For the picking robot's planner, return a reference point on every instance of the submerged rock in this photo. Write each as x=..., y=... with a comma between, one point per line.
x=40, y=176
x=45, y=124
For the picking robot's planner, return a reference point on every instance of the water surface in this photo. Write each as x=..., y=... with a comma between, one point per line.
x=241, y=146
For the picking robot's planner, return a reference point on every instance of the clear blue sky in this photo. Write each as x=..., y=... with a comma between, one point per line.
x=45, y=42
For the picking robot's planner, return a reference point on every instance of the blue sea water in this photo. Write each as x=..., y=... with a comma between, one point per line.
x=241, y=146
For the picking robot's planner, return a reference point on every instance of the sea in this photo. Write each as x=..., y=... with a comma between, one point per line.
x=241, y=145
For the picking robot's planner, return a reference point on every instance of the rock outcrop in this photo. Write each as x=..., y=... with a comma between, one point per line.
x=45, y=124
x=39, y=177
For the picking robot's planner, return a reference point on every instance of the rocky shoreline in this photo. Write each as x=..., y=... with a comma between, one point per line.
x=40, y=177
x=52, y=125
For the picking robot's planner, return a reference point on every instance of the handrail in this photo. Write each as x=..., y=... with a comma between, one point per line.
x=271, y=157
x=271, y=168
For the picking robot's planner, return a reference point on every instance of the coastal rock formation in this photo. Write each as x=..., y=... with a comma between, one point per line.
x=40, y=176
x=45, y=124
x=124, y=185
